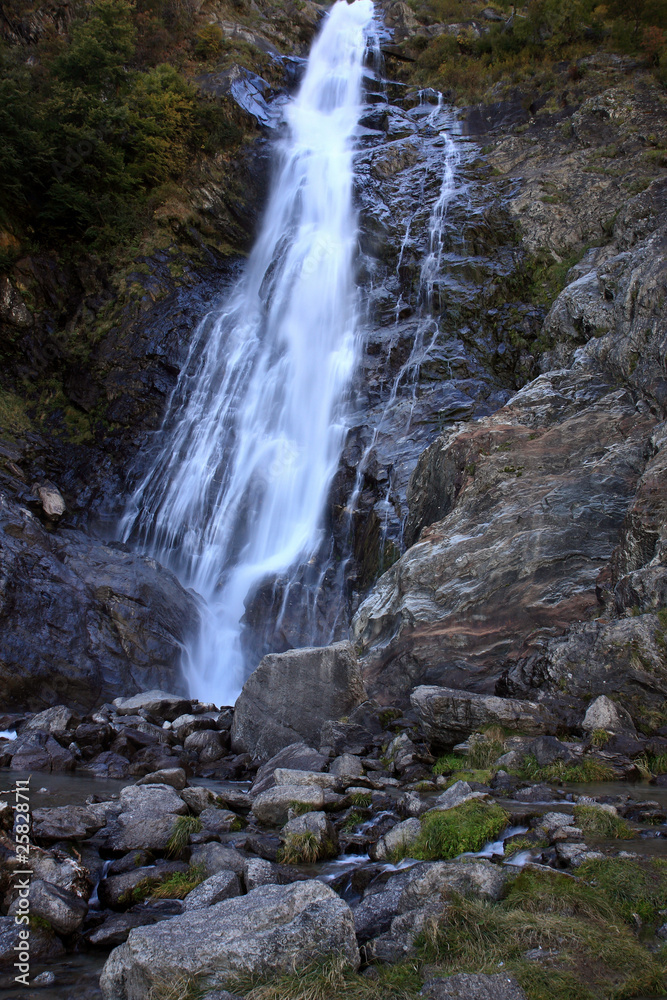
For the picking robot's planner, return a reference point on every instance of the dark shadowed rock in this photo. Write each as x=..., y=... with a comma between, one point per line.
x=84, y=621
x=291, y=694
x=62, y=909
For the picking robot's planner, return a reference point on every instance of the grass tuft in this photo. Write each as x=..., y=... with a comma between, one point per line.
x=180, y=834
x=300, y=808
x=446, y=834
x=305, y=849
x=600, y=823
x=586, y=770
x=449, y=763
x=361, y=800
x=333, y=979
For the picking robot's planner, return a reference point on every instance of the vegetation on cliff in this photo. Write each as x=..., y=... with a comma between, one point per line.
x=529, y=47
x=98, y=126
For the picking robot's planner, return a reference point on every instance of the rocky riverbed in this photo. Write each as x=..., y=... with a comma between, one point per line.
x=214, y=843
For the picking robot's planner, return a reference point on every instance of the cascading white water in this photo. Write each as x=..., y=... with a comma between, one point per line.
x=256, y=424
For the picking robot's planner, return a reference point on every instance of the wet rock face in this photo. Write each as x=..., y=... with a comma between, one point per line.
x=541, y=493
x=82, y=621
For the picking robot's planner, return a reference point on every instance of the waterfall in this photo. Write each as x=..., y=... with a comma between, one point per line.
x=256, y=424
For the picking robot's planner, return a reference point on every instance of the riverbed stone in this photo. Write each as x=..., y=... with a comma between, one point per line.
x=160, y=704
x=448, y=715
x=52, y=720
x=223, y=885
x=215, y=858
x=272, y=806
x=271, y=929
x=297, y=757
x=474, y=986
x=62, y=909
x=456, y=795
x=290, y=695
x=173, y=776
x=44, y=945
x=115, y=891
x=147, y=817
x=68, y=822
x=400, y=837
x=116, y=928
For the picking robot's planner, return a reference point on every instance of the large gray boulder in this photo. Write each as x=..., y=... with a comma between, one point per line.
x=272, y=929
x=272, y=806
x=147, y=817
x=290, y=695
x=447, y=715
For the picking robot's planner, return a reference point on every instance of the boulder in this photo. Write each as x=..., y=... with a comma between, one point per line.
x=208, y=744
x=400, y=836
x=68, y=822
x=258, y=871
x=474, y=986
x=448, y=715
x=216, y=858
x=219, y=820
x=44, y=945
x=85, y=621
x=309, y=779
x=116, y=929
x=456, y=795
x=52, y=720
x=346, y=766
x=174, y=776
x=296, y=757
x=160, y=704
x=62, y=909
x=51, y=499
x=417, y=888
x=38, y=751
x=147, y=817
x=223, y=885
x=272, y=806
x=197, y=798
x=272, y=929
x=290, y=695
x=605, y=714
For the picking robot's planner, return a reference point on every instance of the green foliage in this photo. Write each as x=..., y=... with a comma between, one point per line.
x=361, y=800
x=586, y=770
x=209, y=42
x=174, y=886
x=180, y=834
x=304, y=849
x=332, y=979
x=446, y=834
x=448, y=763
x=484, y=750
x=600, y=823
x=353, y=820
x=300, y=808
x=178, y=885
x=88, y=141
x=590, y=953
x=13, y=417
x=600, y=737
x=632, y=886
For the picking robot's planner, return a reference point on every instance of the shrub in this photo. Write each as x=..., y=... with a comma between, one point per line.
x=209, y=42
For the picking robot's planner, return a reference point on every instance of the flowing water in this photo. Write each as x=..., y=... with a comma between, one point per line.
x=257, y=422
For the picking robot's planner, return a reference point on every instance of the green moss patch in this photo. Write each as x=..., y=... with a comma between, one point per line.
x=448, y=833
